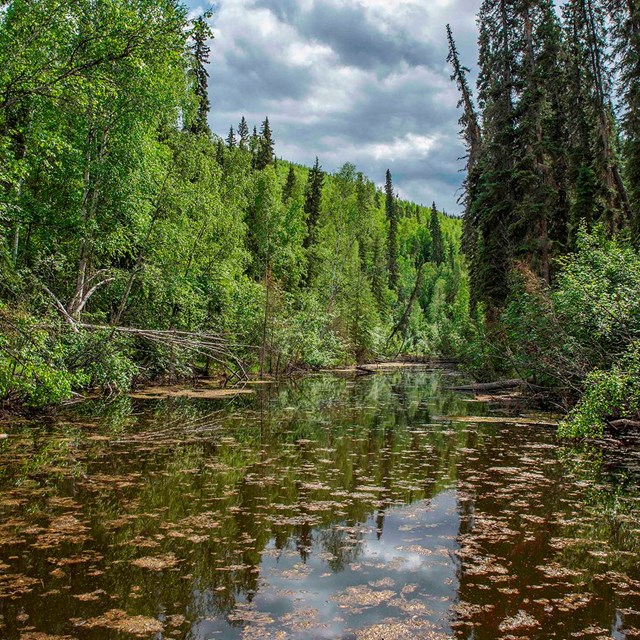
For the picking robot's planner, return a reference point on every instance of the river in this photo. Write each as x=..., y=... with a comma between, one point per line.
x=380, y=507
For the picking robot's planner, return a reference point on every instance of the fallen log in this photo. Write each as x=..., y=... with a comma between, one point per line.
x=499, y=385
x=364, y=371
x=625, y=424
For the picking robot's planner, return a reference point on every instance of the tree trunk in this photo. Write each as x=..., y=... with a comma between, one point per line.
x=400, y=326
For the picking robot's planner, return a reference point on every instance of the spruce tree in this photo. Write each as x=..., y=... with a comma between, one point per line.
x=625, y=19
x=243, y=133
x=231, y=139
x=265, y=147
x=220, y=153
x=541, y=208
x=586, y=20
x=200, y=50
x=378, y=276
x=313, y=201
x=492, y=184
x=363, y=213
x=254, y=145
x=470, y=127
x=437, y=240
x=290, y=185
x=585, y=184
x=391, y=211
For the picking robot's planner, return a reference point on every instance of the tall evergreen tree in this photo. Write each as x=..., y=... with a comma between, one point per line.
x=220, y=152
x=200, y=50
x=585, y=184
x=470, y=127
x=231, y=139
x=254, y=145
x=313, y=201
x=243, y=133
x=587, y=22
x=378, y=275
x=391, y=211
x=437, y=241
x=491, y=187
x=265, y=147
x=625, y=18
x=290, y=185
x=541, y=209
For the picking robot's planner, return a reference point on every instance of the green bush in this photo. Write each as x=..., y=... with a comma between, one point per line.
x=43, y=362
x=105, y=361
x=608, y=395
x=32, y=364
x=586, y=321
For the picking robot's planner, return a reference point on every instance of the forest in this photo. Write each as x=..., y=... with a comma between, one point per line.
x=552, y=202
x=137, y=245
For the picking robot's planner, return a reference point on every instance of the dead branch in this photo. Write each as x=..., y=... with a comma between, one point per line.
x=490, y=386
x=207, y=345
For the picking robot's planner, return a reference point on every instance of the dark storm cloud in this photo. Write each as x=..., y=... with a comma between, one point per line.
x=287, y=11
x=361, y=81
x=356, y=39
x=260, y=75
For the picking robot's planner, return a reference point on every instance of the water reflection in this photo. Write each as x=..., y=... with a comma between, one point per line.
x=326, y=508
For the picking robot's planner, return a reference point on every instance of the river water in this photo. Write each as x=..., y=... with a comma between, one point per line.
x=383, y=507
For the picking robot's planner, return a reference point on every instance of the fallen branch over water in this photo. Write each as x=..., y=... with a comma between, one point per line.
x=207, y=345
x=490, y=386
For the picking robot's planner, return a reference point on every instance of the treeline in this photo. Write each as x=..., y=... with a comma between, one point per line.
x=552, y=199
x=135, y=244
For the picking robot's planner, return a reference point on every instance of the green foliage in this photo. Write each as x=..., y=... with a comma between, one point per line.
x=265, y=154
x=437, y=244
x=548, y=155
x=119, y=208
x=391, y=212
x=101, y=360
x=579, y=336
x=32, y=362
x=586, y=320
x=200, y=50
x=608, y=395
x=313, y=201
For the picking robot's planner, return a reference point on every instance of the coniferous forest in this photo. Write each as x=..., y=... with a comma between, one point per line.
x=137, y=245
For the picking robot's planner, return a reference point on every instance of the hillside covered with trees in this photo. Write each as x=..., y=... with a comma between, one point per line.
x=135, y=244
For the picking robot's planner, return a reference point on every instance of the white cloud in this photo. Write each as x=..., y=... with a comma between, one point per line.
x=361, y=81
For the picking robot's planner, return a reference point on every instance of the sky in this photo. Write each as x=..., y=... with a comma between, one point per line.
x=361, y=81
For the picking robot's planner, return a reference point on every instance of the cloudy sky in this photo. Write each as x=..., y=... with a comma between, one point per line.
x=362, y=81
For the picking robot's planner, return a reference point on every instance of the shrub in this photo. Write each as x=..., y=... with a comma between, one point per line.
x=588, y=320
x=608, y=395
x=32, y=367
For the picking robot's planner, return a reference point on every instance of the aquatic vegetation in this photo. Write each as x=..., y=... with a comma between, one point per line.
x=328, y=508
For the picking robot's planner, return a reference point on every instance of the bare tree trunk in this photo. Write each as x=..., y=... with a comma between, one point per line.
x=400, y=326
x=613, y=176
x=16, y=243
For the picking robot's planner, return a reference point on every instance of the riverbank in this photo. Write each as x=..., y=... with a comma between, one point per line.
x=216, y=387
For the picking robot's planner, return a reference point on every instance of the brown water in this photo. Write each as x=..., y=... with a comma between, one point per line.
x=328, y=508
